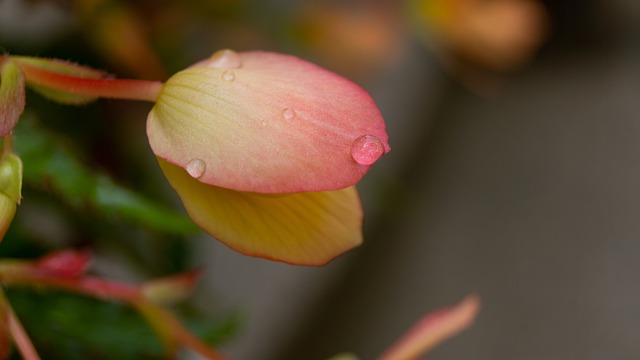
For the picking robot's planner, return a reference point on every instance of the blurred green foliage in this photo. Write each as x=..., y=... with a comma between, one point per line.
x=143, y=230
x=52, y=165
x=72, y=327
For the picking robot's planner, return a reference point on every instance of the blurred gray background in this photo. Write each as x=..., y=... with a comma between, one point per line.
x=529, y=197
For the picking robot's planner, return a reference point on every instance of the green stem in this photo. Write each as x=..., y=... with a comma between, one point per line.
x=7, y=146
x=100, y=87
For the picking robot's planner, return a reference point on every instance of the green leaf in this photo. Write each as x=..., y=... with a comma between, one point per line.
x=50, y=164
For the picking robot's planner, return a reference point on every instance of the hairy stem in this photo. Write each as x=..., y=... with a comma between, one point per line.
x=95, y=87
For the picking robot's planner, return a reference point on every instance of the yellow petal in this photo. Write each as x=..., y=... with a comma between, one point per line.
x=302, y=228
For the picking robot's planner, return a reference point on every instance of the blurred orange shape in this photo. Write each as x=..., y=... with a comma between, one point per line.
x=499, y=35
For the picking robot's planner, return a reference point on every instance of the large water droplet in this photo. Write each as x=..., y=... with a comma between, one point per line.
x=225, y=59
x=366, y=149
x=196, y=168
x=228, y=75
x=288, y=114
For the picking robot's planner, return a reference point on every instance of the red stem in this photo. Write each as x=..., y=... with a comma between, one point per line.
x=21, y=338
x=91, y=286
x=104, y=88
x=19, y=335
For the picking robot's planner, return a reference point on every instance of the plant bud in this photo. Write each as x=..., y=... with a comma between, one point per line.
x=10, y=190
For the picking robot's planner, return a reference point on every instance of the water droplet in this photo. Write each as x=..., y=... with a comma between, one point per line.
x=225, y=59
x=366, y=149
x=228, y=75
x=196, y=168
x=288, y=114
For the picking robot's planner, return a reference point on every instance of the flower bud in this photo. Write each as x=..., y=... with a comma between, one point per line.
x=10, y=190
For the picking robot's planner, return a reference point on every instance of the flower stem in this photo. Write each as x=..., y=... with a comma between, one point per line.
x=7, y=146
x=96, y=87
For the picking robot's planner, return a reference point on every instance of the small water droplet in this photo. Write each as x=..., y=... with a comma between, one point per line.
x=196, y=168
x=366, y=149
x=288, y=114
x=225, y=59
x=228, y=75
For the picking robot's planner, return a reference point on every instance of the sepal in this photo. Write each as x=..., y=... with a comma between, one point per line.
x=12, y=96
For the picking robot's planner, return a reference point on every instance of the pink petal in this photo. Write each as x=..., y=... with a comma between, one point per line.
x=267, y=123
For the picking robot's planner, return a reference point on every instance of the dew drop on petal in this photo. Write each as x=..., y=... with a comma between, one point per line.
x=196, y=168
x=225, y=59
x=288, y=114
x=228, y=75
x=366, y=149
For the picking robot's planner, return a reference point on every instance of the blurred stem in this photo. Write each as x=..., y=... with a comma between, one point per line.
x=164, y=321
x=161, y=319
x=104, y=88
x=90, y=286
x=19, y=335
x=7, y=146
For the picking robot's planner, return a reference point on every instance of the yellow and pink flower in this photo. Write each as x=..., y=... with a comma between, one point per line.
x=264, y=150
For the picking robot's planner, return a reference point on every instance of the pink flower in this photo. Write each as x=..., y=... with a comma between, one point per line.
x=264, y=150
